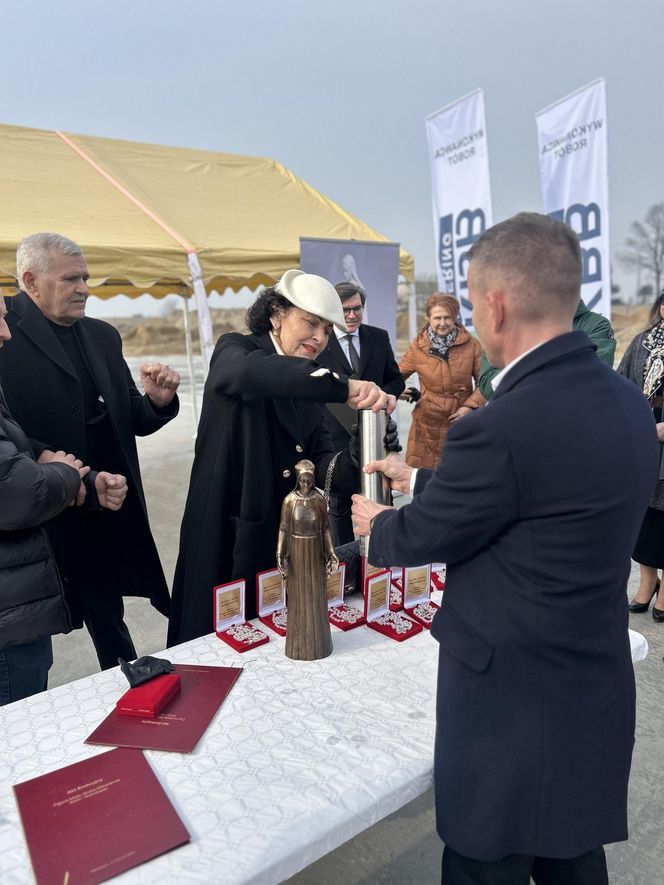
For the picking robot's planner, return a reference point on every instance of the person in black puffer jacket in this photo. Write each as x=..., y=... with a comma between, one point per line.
x=32, y=604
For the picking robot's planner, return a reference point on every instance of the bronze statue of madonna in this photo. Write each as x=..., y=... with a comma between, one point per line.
x=305, y=556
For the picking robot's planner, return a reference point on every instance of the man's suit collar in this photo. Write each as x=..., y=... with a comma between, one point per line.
x=365, y=348
x=336, y=352
x=559, y=348
x=35, y=326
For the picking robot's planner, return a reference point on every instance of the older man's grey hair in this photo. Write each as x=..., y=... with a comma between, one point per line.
x=33, y=253
x=537, y=257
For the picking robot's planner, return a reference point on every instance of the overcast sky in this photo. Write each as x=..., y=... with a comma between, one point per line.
x=338, y=91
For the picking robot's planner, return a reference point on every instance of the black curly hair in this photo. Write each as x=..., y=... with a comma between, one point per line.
x=265, y=306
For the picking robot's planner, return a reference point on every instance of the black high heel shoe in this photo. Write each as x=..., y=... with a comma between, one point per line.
x=638, y=608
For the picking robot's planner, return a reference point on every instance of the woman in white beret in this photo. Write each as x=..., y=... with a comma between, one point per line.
x=263, y=411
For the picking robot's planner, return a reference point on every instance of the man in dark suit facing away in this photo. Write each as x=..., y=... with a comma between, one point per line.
x=535, y=506
x=363, y=352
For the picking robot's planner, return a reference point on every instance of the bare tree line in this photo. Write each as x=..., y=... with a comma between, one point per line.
x=644, y=248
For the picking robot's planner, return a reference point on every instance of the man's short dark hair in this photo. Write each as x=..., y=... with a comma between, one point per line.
x=347, y=290
x=536, y=255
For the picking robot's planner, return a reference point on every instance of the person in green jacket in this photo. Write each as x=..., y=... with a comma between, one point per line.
x=596, y=327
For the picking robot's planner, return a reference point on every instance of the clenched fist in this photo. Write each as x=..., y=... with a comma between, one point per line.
x=111, y=489
x=159, y=382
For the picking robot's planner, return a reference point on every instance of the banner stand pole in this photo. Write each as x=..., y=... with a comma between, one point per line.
x=412, y=312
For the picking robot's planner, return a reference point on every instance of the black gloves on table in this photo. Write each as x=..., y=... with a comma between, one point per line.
x=144, y=669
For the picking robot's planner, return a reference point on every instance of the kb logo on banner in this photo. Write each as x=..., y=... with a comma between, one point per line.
x=456, y=234
x=586, y=221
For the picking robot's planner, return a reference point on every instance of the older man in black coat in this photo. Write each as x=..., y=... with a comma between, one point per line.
x=67, y=384
x=32, y=603
x=534, y=506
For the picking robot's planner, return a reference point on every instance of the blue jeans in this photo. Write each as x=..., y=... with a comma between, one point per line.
x=24, y=669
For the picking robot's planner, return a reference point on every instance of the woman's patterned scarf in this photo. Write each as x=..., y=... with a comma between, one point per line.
x=440, y=344
x=653, y=371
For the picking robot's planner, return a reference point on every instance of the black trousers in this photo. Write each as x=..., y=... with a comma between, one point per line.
x=517, y=869
x=96, y=580
x=341, y=522
x=103, y=615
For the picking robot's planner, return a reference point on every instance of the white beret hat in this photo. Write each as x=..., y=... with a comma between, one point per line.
x=314, y=294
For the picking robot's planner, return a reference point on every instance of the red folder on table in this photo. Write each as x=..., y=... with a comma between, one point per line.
x=93, y=820
x=180, y=725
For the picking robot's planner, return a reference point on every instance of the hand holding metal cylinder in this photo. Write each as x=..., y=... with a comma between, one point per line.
x=374, y=486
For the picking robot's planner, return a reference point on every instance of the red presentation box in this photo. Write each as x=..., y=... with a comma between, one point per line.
x=424, y=613
x=377, y=610
x=438, y=572
x=271, y=600
x=150, y=698
x=336, y=583
x=396, y=626
x=417, y=594
x=340, y=615
x=242, y=637
x=229, y=621
x=345, y=617
x=396, y=590
x=277, y=621
x=367, y=572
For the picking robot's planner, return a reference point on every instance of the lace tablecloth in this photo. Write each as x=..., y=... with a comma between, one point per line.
x=301, y=756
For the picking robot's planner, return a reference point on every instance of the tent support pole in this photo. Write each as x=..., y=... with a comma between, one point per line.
x=190, y=361
x=202, y=308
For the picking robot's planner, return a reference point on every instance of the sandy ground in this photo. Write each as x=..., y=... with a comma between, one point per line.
x=403, y=848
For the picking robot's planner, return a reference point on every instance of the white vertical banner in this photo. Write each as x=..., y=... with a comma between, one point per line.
x=458, y=154
x=575, y=184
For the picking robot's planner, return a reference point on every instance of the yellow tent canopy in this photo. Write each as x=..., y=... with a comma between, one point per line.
x=138, y=211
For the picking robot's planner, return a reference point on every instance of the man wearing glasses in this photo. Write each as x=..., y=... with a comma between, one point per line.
x=362, y=352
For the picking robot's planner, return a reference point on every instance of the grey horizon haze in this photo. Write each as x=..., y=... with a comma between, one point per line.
x=339, y=92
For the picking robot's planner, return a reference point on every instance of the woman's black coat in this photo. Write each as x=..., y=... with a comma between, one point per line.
x=262, y=413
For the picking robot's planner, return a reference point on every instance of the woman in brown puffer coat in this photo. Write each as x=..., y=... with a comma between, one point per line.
x=447, y=359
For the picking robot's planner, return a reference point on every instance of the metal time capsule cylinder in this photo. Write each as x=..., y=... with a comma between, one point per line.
x=374, y=486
